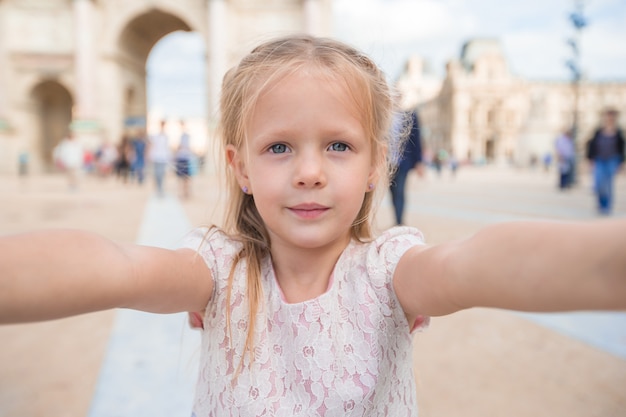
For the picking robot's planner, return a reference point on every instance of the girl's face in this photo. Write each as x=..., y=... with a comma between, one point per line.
x=307, y=161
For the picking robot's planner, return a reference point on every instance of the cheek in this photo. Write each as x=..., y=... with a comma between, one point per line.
x=351, y=190
x=264, y=179
x=268, y=189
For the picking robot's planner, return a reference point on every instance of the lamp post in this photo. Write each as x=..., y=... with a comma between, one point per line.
x=579, y=22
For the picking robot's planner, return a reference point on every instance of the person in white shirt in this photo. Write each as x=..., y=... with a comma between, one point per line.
x=159, y=155
x=69, y=155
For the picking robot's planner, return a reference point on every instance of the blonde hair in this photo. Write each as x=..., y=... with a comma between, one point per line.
x=241, y=88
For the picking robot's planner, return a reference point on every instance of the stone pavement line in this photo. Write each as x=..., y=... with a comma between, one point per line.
x=152, y=360
x=601, y=329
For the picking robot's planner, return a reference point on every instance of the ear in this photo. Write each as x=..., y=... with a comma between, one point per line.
x=371, y=183
x=236, y=162
x=378, y=167
x=372, y=178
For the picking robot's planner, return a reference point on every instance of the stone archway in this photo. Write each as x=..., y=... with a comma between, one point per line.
x=97, y=50
x=135, y=42
x=53, y=112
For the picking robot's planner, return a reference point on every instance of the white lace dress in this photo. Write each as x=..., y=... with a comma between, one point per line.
x=344, y=353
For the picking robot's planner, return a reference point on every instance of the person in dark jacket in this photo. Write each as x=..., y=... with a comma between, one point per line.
x=605, y=151
x=408, y=157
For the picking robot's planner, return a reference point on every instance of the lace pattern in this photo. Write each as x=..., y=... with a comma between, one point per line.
x=344, y=353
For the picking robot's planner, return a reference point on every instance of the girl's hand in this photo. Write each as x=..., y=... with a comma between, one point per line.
x=195, y=319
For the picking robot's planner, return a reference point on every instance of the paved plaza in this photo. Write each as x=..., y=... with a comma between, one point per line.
x=480, y=362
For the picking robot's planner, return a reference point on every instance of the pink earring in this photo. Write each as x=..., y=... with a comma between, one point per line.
x=370, y=186
x=245, y=189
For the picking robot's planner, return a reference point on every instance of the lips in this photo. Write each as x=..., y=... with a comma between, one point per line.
x=308, y=210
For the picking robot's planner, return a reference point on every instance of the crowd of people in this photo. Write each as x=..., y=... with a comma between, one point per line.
x=136, y=153
x=128, y=160
x=603, y=151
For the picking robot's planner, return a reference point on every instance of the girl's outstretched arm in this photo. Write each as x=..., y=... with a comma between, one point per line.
x=52, y=274
x=529, y=266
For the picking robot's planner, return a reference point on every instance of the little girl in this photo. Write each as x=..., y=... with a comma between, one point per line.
x=305, y=312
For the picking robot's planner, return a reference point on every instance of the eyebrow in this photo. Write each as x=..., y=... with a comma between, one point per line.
x=342, y=131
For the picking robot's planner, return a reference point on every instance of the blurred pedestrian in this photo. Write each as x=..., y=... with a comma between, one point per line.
x=605, y=152
x=106, y=155
x=159, y=153
x=440, y=161
x=408, y=157
x=547, y=161
x=454, y=164
x=139, y=164
x=68, y=155
x=565, y=158
x=89, y=161
x=22, y=164
x=184, y=156
x=125, y=158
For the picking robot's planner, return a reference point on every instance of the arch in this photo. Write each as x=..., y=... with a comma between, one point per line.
x=142, y=32
x=136, y=38
x=129, y=13
x=53, y=113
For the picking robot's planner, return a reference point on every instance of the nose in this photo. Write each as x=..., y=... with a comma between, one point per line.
x=309, y=171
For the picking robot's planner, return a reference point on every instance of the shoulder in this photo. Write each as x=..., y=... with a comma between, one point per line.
x=397, y=236
x=376, y=263
x=382, y=255
x=204, y=238
x=216, y=247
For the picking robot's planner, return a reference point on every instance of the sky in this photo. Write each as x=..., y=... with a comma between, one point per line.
x=532, y=33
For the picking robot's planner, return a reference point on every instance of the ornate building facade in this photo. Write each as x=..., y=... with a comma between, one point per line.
x=80, y=64
x=482, y=112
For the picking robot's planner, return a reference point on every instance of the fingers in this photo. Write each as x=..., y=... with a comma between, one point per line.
x=195, y=320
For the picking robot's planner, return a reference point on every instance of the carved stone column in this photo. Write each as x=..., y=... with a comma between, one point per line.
x=312, y=17
x=216, y=50
x=4, y=110
x=85, y=72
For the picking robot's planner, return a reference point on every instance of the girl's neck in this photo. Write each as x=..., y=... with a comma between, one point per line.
x=303, y=273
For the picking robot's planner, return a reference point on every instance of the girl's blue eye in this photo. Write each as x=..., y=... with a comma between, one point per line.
x=339, y=147
x=278, y=148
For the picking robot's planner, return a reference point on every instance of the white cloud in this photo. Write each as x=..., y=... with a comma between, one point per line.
x=533, y=32
x=392, y=21
x=526, y=59
x=176, y=76
x=603, y=54
x=179, y=54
